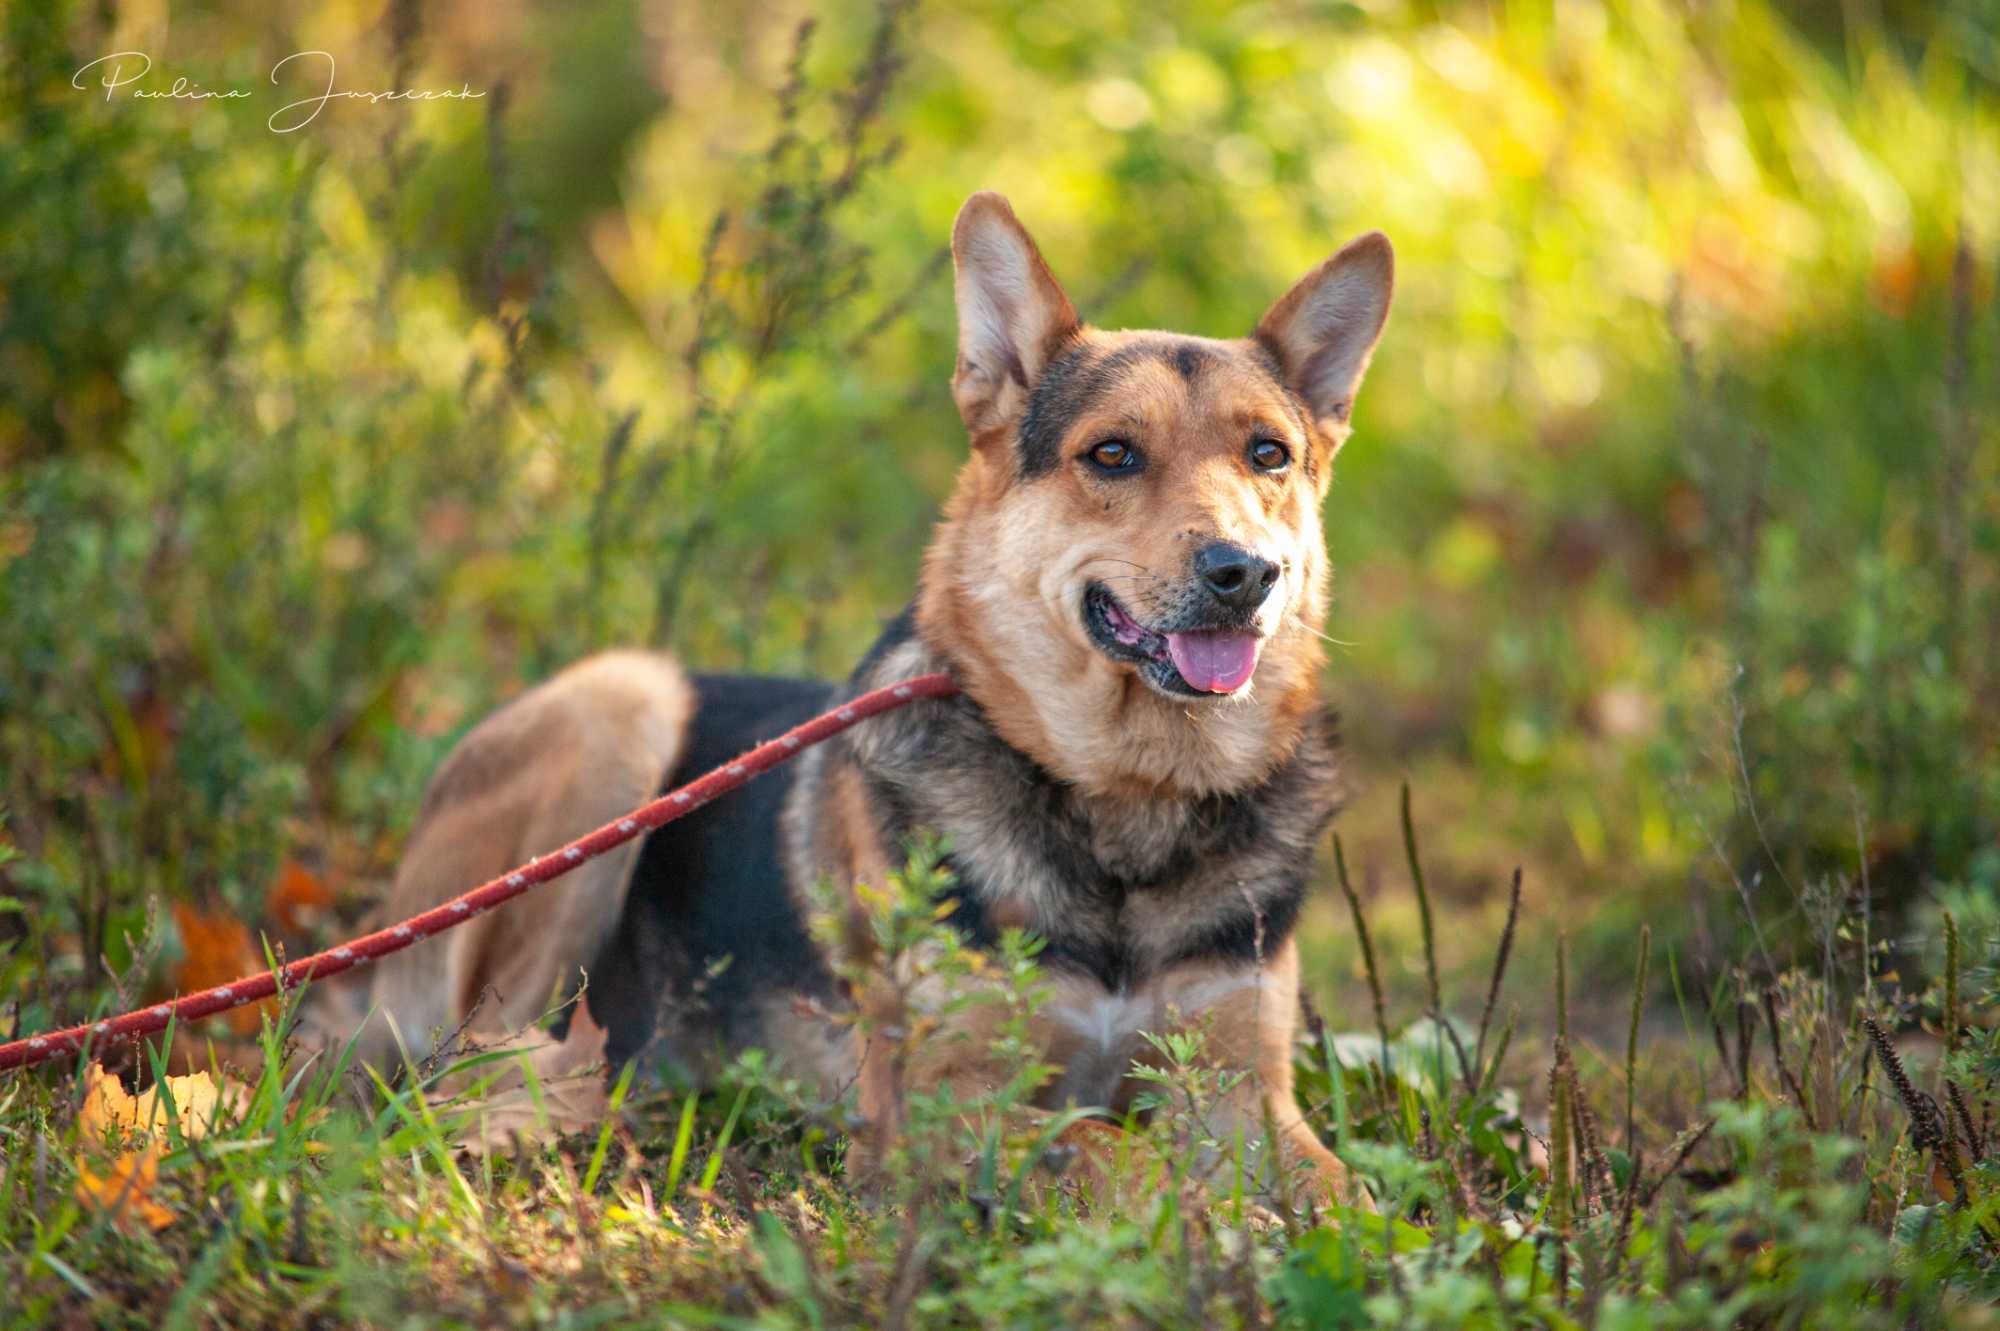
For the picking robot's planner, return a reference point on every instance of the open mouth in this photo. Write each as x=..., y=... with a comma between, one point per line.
x=1195, y=662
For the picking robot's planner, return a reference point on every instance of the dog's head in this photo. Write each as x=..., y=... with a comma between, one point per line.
x=1137, y=531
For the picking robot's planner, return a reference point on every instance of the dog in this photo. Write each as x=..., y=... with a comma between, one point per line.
x=1128, y=583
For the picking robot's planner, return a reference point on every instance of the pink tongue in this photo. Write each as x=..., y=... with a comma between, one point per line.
x=1214, y=662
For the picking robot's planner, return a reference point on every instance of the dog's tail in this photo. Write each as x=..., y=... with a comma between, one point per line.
x=565, y=757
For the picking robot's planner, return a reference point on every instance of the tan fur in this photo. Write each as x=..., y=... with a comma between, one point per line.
x=560, y=760
x=1254, y=1028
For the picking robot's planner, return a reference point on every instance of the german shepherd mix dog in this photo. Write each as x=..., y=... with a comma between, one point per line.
x=1128, y=583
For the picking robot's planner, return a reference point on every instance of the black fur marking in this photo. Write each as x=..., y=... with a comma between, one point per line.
x=1188, y=359
x=895, y=632
x=1071, y=380
x=969, y=915
x=1076, y=379
x=709, y=921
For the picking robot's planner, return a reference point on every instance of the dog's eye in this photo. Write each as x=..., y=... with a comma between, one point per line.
x=1114, y=455
x=1269, y=455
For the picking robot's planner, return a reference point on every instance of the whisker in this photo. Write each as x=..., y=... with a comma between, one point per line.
x=1327, y=637
x=1143, y=572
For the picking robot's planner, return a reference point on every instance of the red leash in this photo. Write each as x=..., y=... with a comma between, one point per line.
x=542, y=869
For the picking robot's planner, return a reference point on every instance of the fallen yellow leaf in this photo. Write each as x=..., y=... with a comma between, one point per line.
x=125, y=1190
x=137, y=1123
x=573, y=1094
x=197, y=1103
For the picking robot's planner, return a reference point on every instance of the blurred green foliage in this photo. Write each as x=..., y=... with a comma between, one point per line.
x=1668, y=555
x=1666, y=546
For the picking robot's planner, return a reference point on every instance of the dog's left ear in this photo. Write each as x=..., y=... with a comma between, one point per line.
x=1324, y=329
x=1012, y=315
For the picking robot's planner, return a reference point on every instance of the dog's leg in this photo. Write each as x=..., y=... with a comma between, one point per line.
x=560, y=760
x=1249, y=1021
x=924, y=1037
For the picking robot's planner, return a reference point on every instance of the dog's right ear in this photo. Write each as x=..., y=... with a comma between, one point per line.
x=1012, y=316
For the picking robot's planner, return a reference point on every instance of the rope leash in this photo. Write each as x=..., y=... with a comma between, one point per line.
x=542, y=869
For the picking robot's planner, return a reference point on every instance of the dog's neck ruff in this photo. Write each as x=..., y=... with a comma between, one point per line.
x=1119, y=886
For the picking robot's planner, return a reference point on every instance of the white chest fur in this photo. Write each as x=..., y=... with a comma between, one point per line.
x=1101, y=1032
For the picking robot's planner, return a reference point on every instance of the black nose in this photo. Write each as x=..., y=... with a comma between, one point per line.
x=1237, y=578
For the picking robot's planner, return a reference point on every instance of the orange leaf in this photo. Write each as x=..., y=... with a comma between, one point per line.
x=197, y=1103
x=138, y=1123
x=125, y=1190
x=107, y=1107
x=218, y=949
x=296, y=896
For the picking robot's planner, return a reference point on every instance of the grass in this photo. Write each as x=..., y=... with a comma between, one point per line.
x=1668, y=570
x=1825, y=1185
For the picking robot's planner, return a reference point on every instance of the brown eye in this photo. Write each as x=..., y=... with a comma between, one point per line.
x=1114, y=455
x=1269, y=455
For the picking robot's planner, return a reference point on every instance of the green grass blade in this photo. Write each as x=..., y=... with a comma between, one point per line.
x=610, y=1121
x=683, y=1139
x=713, y=1169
